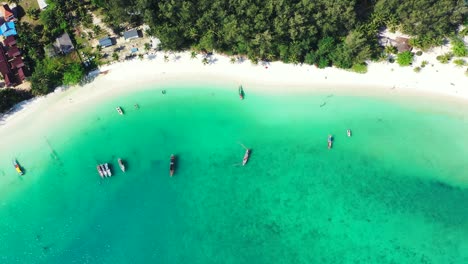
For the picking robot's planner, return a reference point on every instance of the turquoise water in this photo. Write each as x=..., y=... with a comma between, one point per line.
x=395, y=192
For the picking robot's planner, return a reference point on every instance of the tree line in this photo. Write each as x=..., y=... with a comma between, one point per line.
x=321, y=32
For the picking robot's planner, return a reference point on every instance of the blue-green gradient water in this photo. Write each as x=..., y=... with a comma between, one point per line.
x=395, y=192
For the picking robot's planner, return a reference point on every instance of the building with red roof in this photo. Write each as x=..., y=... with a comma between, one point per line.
x=9, y=41
x=13, y=52
x=6, y=12
x=16, y=63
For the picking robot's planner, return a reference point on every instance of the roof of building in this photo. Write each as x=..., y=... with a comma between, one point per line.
x=131, y=34
x=105, y=42
x=6, y=12
x=13, y=52
x=64, y=43
x=42, y=4
x=2, y=54
x=7, y=78
x=4, y=69
x=21, y=74
x=8, y=29
x=9, y=41
x=402, y=44
x=17, y=62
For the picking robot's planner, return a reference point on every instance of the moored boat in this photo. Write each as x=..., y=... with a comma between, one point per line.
x=104, y=172
x=246, y=156
x=241, y=92
x=108, y=169
x=121, y=164
x=172, y=165
x=119, y=110
x=348, y=132
x=101, y=173
x=330, y=141
x=17, y=167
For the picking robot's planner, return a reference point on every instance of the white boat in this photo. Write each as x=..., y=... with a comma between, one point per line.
x=119, y=110
x=349, y=132
x=108, y=169
x=99, y=169
x=104, y=172
x=121, y=164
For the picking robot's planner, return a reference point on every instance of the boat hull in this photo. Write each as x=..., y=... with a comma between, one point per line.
x=172, y=166
x=121, y=165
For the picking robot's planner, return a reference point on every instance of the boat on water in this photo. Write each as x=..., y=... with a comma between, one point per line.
x=330, y=141
x=104, y=172
x=106, y=165
x=241, y=92
x=348, y=132
x=121, y=164
x=172, y=165
x=119, y=110
x=246, y=156
x=17, y=167
x=99, y=169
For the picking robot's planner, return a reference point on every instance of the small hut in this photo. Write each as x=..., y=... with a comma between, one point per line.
x=402, y=44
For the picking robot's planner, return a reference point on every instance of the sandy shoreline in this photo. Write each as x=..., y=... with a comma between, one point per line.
x=383, y=79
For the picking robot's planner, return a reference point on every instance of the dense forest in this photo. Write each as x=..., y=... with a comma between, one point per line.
x=10, y=97
x=321, y=32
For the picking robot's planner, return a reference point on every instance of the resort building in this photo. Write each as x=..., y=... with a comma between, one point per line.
x=131, y=34
x=64, y=44
x=42, y=4
x=13, y=52
x=11, y=63
x=402, y=44
x=6, y=13
x=8, y=29
x=9, y=41
x=105, y=42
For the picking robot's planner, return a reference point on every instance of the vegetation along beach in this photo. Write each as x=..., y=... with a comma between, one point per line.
x=234, y=131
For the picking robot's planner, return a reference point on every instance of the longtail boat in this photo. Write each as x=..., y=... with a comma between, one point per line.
x=121, y=164
x=103, y=169
x=99, y=169
x=106, y=166
x=119, y=110
x=241, y=92
x=246, y=157
x=172, y=165
x=330, y=141
x=348, y=132
x=17, y=167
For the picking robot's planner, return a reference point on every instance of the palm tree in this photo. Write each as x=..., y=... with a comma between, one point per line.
x=193, y=55
x=205, y=61
x=233, y=60
x=166, y=58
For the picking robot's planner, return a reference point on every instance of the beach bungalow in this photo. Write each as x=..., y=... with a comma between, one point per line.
x=8, y=29
x=21, y=74
x=105, y=42
x=402, y=44
x=7, y=79
x=17, y=63
x=13, y=52
x=9, y=41
x=6, y=12
x=64, y=44
x=42, y=4
x=131, y=34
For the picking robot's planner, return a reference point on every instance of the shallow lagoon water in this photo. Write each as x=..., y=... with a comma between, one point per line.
x=395, y=192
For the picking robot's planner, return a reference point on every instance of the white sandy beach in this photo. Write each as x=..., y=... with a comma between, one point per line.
x=435, y=80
